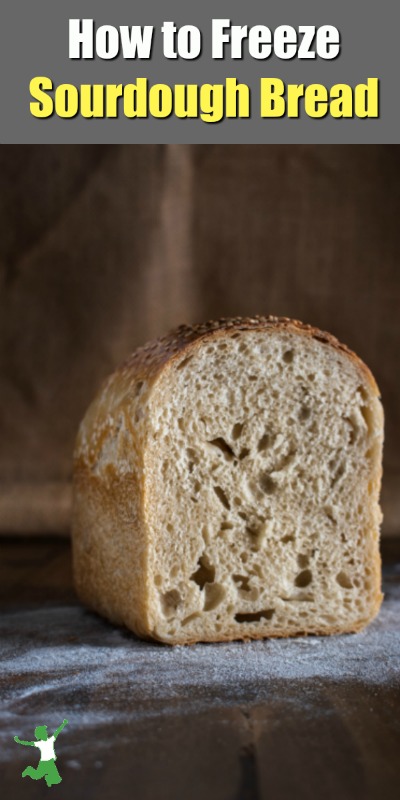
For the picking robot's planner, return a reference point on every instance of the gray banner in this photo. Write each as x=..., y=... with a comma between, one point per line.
x=35, y=43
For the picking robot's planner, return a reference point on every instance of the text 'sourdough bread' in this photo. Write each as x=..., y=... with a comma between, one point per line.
x=226, y=486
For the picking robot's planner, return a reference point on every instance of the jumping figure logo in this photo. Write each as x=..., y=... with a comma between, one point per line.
x=47, y=765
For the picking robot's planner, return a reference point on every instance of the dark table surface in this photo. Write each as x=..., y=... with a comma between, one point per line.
x=306, y=718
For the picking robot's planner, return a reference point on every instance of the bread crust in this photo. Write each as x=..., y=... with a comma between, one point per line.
x=109, y=556
x=148, y=360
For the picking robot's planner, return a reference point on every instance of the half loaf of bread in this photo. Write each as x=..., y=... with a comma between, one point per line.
x=226, y=486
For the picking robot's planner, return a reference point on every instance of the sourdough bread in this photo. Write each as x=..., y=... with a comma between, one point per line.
x=226, y=486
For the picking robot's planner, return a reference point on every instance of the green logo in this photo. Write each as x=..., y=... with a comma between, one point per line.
x=47, y=765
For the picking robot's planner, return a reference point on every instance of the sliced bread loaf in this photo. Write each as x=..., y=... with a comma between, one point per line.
x=226, y=486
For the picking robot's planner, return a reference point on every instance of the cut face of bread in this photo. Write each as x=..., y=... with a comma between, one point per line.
x=234, y=492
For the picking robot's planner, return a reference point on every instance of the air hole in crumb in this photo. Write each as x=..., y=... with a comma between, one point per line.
x=257, y=534
x=205, y=572
x=267, y=484
x=304, y=598
x=253, y=378
x=170, y=601
x=329, y=619
x=190, y=618
x=321, y=338
x=237, y=430
x=243, y=516
x=242, y=581
x=244, y=453
x=223, y=446
x=288, y=356
x=303, y=579
x=226, y=526
x=139, y=387
x=264, y=442
x=304, y=414
x=192, y=455
x=197, y=486
x=205, y=534
x=367, y=415
x=256, y=616
x=237, y=501
x=184, y=362
x=303, y=560
x=244, y=557
x=222, y=497
x=181, y=424
x=214, y=595
x=258, y=570
x=353, y=429
x=344, y=580
x=287, y=539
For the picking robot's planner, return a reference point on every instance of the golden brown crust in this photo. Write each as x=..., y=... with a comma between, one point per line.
x=115, y=489
x=148, y=360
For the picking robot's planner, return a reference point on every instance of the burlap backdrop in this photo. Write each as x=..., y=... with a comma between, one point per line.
x=103, y=247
